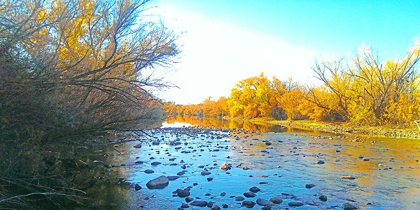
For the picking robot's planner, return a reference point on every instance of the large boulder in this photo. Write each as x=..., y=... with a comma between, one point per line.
x=158, y=183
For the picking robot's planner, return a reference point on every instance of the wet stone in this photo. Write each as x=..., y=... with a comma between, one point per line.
x=348, y=206
x=183, y=193
x=188, y=199
x=149, y=171
x=295, y=203
x=215, y=207
x=172, y=178
x=323, y=198
x=155, y=163
x=309, y=186
x=222, y=194
x=254, y=189
x=262, y=202
x=249, y=194
x=184, y=206
x=137, y=187
x=239, y=198
x=248, y=204
x=204, y=173
x=320, y=162
x=276, y=200
x=158, y=183
x=347, y=177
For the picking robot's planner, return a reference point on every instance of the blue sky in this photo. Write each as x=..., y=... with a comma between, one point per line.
x=227, y=41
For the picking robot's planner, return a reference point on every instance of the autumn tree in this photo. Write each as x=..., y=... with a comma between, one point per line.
x=365, y=88
x=250, y=98
x=69, y=70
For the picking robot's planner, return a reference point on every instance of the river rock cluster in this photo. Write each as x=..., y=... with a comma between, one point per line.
x=193, y=159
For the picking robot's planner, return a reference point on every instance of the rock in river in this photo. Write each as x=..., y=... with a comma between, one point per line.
x=295, y=204
x=276, y=200
x=262, y=202
x=254, y=189
x=348, y=206
x=148, y=171
x=226, y=166
x=155, y=163
x=204, y=173
x=199, y=203
x=239, y=198
x=309, y=186
x=323, y=198
x=347, y=177
x=215, y=207
x=249, y=194
x=248, y=204
x=183, y=193
x=158, y=183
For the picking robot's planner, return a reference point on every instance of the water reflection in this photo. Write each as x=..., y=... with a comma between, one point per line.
x=227, y=124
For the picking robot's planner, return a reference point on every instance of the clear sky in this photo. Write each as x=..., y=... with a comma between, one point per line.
x=225, y=41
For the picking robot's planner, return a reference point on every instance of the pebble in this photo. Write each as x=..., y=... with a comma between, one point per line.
x=215, y=207
x=254, y=189
x=183, y=193
x=309, y=186
x=262, y=202
x=248, y=204
x=295, y=203
x=348, y=206
x=172, y=178
x=320, y=162
x=204, y=173
x=347, y=177
x=276, y=200
x=184, y=206
x=239, y=198
x=189, y=199
x=249, y=194
x=323, y=198
x=137, y=187
x=149, y=171
x=199, y=203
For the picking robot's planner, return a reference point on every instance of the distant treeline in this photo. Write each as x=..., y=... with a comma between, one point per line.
x=360, y=90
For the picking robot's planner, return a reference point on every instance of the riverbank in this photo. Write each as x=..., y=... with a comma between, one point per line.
x=344, y=128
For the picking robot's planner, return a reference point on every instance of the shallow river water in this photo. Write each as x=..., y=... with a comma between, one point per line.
x=385, y=172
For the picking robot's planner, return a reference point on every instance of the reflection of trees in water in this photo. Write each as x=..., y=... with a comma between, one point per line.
x=226, y=124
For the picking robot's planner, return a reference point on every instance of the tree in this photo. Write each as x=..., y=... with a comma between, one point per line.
x=250, y=98
x=69, y=70
x=365, y=88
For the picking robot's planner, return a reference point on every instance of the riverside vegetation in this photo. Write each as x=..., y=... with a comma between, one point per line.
x=358, y=91
x=72, y=73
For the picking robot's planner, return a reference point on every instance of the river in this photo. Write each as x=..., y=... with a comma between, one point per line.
x=296, y=166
